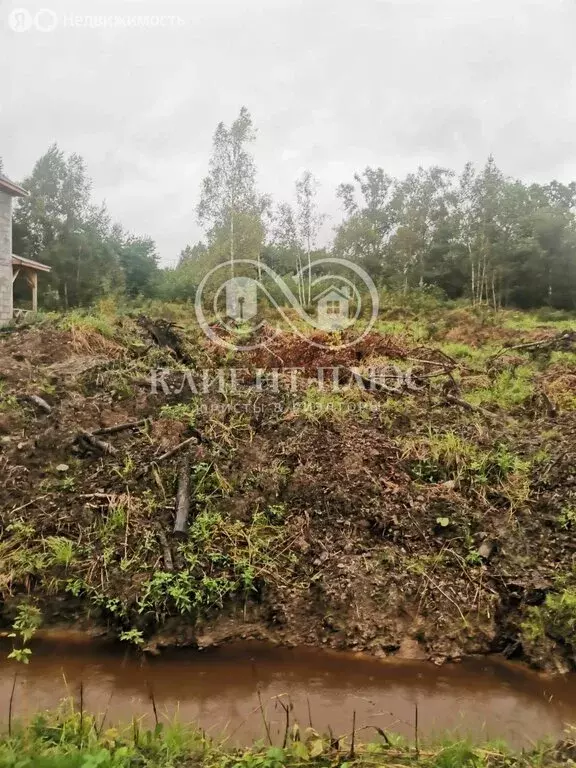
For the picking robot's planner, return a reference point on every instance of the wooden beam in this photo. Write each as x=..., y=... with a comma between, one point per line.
x=32, y=279
x=34, y=291
x=15, y=275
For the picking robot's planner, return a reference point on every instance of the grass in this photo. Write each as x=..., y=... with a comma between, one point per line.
x=446, y=456
x=508, y=389
x=68, y=738
x=555, y=618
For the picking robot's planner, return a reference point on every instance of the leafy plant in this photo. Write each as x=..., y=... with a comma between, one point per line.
x=567, y=517
x=61, y=551
x=133, y=636
x=28, y=620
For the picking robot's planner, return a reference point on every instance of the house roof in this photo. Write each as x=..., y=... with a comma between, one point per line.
x=12, y=189
x=341, y=293
x=20, y=261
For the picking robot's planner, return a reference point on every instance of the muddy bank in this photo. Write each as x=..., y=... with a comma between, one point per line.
x=402, y=522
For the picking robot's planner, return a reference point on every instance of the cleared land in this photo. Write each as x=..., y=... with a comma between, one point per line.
x=436, y=519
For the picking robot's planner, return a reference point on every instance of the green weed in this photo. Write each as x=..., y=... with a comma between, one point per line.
x=508, y=389
x=556, y=618
x=60, y=551
x=184, y=412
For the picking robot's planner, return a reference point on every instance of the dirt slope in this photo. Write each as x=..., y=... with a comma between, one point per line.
x=436, y=520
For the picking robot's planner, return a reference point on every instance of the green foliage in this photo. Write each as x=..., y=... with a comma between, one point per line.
x=184, y=412
x=8, y=402
x=439, y=457
x=133, y=636
x=433, y=234
x=91, y=321
x=21, y=655
x=60, y=551
x=27, y=622
x=567, y=517
x=68, y=739
x=58, y=225
x=556, y=618
x=508, y=389
x=222, y=558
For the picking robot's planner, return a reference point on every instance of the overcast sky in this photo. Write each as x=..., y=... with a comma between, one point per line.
x=332, y=85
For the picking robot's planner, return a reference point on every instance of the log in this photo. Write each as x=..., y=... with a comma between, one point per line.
x=100, y=445
x=39, y=402
x=119, y=427
x=183, y=497
x=453, y=400
x=167, y=553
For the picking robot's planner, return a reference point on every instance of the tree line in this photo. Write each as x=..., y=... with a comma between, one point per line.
x=476, y=234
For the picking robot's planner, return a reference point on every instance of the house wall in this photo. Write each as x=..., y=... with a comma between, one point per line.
x=5, y=258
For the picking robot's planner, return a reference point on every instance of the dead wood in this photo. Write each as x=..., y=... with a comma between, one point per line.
x=452, y=399
x=563, y=339
x=119, y=427
x=166, y=551
x=173, y=451
x=38, y=402
x=371, y=384
x=164, y=335
x=93, y=442
x=182, y=497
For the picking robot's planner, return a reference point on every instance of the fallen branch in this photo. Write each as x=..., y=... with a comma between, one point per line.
x=39, y=402
x=167, y=552
x=28, y=504
x=565, y=336
x=183, y=497
x=100, y=445
x=178, y=448
x=120, y=427
x=469, y=407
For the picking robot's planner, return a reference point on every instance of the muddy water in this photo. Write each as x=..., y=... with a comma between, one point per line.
x=218, y=689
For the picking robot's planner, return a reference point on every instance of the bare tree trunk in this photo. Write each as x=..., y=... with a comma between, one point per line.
x=494, y=291
x=232, y=242
x=300, y=281
x=309, y=273
x=472, y=277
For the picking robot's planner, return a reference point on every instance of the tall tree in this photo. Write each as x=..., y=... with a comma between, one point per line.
x=287, y=246
x=422, y=204
x=229, y=201
x=371, y=211
x=308, y=219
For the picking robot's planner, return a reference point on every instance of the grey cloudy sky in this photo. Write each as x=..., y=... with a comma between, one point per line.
x=332, y=85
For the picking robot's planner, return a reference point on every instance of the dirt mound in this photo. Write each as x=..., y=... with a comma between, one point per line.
x=321, y=350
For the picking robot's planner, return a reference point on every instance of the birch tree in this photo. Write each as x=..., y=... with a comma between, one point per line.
x=229, y=190
x=308, y=218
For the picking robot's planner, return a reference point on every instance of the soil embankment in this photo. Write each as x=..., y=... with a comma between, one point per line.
x=434, y=520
